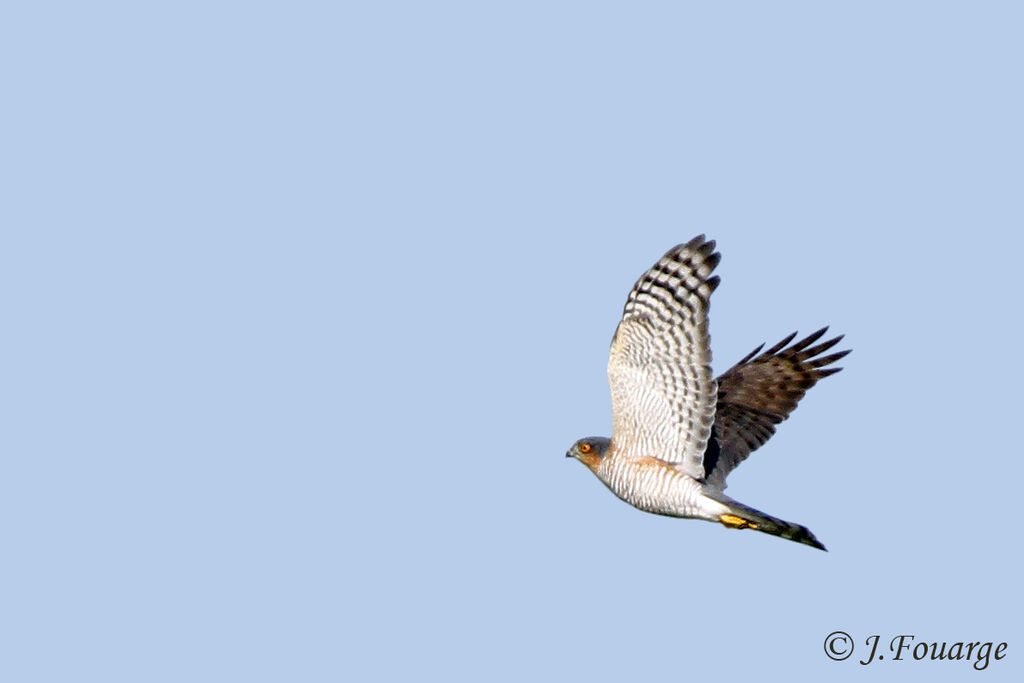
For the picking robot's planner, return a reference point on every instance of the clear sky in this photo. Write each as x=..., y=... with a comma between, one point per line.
x=303, y=304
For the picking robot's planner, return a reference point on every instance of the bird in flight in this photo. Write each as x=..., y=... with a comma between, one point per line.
x=677, y=432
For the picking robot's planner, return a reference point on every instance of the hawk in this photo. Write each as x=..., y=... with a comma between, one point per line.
x=677, y=432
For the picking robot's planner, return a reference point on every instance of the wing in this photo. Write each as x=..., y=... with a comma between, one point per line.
x=758, y=393
x=659, y=367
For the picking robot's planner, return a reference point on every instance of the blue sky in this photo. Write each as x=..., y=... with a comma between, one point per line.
x=304, y=303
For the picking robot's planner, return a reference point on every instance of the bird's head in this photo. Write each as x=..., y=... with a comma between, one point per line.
x=589, y=451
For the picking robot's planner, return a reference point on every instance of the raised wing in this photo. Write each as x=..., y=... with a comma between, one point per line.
x=659, y=367
x=758, y=393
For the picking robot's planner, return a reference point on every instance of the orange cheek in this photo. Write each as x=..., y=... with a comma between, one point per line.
x=591, y=460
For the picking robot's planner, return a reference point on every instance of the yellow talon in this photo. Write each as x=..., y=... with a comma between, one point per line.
x=734, y=522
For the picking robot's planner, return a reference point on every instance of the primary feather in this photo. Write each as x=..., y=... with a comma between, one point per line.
x=759, y=392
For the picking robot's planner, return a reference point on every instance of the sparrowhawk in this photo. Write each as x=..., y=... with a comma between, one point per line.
x=677, y=431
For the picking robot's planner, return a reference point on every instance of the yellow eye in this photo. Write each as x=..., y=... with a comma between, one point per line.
x=585, y=448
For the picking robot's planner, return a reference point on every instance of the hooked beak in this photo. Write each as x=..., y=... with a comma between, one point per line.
x=568, y=454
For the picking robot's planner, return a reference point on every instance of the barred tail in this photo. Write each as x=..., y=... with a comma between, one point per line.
x=744, y=517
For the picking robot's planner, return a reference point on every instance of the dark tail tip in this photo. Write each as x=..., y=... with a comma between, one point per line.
x=743, y=517
x=805, y=536
x=792, y=532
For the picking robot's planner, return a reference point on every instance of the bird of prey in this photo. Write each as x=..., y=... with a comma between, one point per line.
x=677, y=432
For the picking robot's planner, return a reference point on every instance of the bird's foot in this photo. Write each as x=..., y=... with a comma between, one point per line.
x=734, y=522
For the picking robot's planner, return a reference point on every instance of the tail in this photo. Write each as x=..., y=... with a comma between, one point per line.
x=743, y=517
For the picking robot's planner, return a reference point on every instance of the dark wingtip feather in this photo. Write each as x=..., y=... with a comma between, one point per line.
x=823, y=346
x=778, y=347
x=750, y=355
x=698, y=242
x=826, y=360
x=706, y=250
x=807, y=341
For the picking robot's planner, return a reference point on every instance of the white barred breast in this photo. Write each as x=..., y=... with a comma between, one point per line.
x=653, y=485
